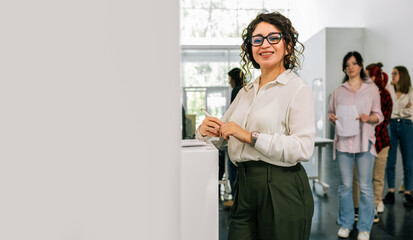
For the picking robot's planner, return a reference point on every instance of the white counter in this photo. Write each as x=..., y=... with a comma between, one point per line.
x=199, y=193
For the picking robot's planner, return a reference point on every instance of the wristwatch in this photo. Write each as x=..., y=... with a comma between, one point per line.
x=254, y=136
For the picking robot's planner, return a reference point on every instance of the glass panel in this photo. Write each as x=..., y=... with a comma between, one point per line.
x=248, y=4
x=205, y=74
x=278, y=5
x=234, y=56
x=217, y=4
x=195, y=23
x=224, y=23
x=199, y=4
x=186, y=4
x=228, y=4
x=234, y=60
x=245, y=17
x=205, y=55
x=217, y=101
x=214, y=99
x=204, y=68
x=223, y=18
x=195, y=100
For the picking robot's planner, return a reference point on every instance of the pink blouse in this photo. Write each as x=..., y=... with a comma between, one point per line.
x=366, y=100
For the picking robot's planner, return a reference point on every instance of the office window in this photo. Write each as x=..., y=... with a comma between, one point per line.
x=205, y=81
x=223, y=18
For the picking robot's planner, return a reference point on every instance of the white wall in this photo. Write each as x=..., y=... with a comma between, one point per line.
x=89, y=120
x=340, y=41
x=314, y=61
x=387, y=23
x=314, y=72
x=389, y=35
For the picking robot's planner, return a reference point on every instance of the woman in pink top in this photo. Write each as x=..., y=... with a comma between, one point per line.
x=355, y=111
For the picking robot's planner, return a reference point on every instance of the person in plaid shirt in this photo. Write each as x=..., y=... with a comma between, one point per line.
x=380, y=78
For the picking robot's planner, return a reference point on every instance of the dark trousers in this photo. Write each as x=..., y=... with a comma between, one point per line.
x=232, y=174
x=271, y=203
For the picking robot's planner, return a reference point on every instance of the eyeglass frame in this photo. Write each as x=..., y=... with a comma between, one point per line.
x=266, y=37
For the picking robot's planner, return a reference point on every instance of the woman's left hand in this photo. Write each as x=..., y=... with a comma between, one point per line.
x=232, y=129
x=368, y=118
x=363, y=117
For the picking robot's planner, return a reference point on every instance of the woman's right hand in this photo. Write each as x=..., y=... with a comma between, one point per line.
x=210, y=127
x=333, y=118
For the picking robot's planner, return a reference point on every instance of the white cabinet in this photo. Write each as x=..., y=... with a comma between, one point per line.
x=199, y=193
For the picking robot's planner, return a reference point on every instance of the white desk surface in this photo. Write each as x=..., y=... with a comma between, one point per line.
x=321, y=140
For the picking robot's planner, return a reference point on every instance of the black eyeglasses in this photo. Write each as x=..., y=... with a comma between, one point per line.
x=272, y=38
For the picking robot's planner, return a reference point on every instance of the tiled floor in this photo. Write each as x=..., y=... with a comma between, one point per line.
x=396, y=222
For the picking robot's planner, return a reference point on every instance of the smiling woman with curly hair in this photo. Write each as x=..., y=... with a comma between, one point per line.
x=270, y=129
x=289, y=35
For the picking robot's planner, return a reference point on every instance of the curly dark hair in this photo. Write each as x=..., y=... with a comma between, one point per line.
x=289, y=34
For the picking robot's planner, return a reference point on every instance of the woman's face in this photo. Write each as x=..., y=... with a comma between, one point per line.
x=352, y=68
x=395, y=76
x=268, y=55
x=231, y=82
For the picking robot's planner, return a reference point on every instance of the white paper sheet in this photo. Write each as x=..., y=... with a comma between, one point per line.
x=347, y=125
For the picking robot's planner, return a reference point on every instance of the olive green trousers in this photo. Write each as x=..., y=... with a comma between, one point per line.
x=271, y=203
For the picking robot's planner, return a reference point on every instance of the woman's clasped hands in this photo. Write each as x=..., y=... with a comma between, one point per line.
x=212, y=126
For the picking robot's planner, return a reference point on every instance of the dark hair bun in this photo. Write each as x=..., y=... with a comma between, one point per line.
x=379, y=64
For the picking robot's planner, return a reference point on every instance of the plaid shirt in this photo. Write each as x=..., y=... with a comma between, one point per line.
x=382, y=136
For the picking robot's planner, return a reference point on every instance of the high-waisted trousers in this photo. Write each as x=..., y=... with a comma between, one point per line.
x=271, y=203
